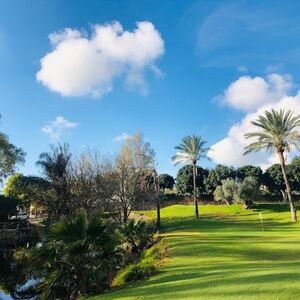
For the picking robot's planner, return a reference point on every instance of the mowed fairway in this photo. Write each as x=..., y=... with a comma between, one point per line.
x=224, y=255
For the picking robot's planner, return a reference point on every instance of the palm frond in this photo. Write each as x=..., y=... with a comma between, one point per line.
x=190, y=150
x=278, y=132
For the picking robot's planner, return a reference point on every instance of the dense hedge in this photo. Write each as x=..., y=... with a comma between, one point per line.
x=172, y=199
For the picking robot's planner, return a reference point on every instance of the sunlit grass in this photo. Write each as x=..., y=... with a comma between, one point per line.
x=224, y=255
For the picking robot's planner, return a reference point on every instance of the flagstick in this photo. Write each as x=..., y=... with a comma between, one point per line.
x=261, y=221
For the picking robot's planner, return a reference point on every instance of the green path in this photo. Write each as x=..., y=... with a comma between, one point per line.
x=225, y=255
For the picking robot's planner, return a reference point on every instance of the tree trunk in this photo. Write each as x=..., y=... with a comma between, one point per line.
x=283, y=196
x=125, y=215
x=158, y=224
x=288, y=188
x=156, y=183
x=195, y=191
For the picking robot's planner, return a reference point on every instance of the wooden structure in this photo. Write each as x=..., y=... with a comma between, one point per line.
x=15, y=233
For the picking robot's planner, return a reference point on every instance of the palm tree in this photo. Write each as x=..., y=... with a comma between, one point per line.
x=78, y=256
x=278, y=133
x=54, y=165
x=191, y=150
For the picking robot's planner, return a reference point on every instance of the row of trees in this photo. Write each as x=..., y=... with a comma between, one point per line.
x=113, y=185
x=208, y=179
x=277, y=132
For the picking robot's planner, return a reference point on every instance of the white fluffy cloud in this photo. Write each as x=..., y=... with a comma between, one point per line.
x=122, y=137
x=79, y=65
x=56, y=128
x=249, y=93
x=229, y=151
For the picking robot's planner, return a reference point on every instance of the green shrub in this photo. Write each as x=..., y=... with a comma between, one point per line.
x=146, y=267
x=157, y=252
x=134, y=272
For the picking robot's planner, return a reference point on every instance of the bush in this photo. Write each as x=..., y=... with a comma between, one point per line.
x=148, y=266
x=134, y=272
x=157, y=251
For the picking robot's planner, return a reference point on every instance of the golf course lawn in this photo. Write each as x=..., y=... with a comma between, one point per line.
x=224, y=255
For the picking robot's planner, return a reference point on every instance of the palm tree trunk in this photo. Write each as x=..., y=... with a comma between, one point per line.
x=288, y=188
x=195, y=191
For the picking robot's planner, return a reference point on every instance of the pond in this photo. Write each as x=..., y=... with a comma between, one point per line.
x=14, y=283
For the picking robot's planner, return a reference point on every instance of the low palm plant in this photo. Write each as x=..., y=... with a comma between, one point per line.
x=77, y=257
x=190, y=151
x=278, y=132
x=137, y=235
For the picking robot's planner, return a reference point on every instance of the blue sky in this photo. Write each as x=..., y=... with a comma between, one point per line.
x=207, y=68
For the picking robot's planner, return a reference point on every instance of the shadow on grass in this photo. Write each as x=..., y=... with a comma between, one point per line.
x=226, y=256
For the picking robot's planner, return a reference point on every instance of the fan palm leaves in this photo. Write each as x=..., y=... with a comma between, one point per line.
x=277, y=132
x=77, y=257
x=190, y=151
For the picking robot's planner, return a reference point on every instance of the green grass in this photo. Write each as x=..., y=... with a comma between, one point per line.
x=224, y=255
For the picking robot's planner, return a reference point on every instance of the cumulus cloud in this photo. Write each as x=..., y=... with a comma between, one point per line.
x=57, y=127
x=82, y=65
x=249, y=93
x=121, y=137
x=229, y=151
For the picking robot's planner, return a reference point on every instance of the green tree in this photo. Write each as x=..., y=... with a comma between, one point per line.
x=166, y=181
x=294, y=172
x=216, y=175
x=10, y=156
x=184, y=180
x=27, y=189
x=8, y=207
x=248, y=191
x=274, y=181
x=226, y=191
x=190, y=151
x=248, y=170
x=77, y=257
x=277, y=132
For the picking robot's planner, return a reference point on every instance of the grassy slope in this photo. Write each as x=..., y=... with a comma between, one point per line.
x=224, y=255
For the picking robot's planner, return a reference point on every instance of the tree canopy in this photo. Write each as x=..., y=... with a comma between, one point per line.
x=184, y=180
x=216, y=175
x=248, y=170
x=166, y=181
x=10, y=156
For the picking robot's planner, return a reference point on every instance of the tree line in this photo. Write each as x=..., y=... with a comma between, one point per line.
x=276, y=132
x=207, y=180
x=95, y=182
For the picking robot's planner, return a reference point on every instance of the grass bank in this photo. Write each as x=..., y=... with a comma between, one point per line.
x=224, y=255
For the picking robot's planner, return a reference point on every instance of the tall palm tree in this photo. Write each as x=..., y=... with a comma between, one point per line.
x=54, y=165
x=191, y=150
x=278, y=133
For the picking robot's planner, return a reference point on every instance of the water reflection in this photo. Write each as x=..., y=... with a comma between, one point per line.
x=14, y=282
